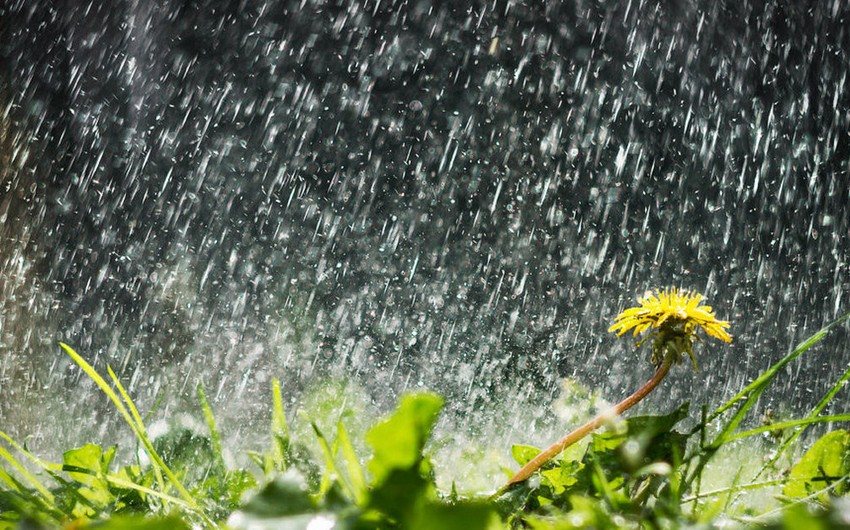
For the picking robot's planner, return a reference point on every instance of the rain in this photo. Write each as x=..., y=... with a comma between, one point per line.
x=412, y=195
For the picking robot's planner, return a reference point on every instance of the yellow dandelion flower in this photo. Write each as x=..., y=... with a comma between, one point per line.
x=673, y=316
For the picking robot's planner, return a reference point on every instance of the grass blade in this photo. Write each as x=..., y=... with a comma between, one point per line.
x=751, y=392
x=331, y=469
x=791, y=423
x=825, y=400
x=42, y=490
x=50, y=468
x=766, y=516
x=280, y=430
x=141, y=434
x=735, y=489
x=215, y=436
x=746, y=399
x=137, y=425
x=771, y=372
x=48, y=504
x=133, y=419
x=10, y=481
x=352, y=464
x=104, y=387
x=126, y=484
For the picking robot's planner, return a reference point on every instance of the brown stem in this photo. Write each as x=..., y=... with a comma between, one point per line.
x=568, y=440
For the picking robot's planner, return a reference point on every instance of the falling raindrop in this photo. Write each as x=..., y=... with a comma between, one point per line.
x=412, y=195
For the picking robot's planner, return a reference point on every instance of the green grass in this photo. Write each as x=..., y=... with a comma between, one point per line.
x=645, y=472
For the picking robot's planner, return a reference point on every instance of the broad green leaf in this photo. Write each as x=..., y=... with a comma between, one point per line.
x=584, y=513
x=644, y=440
x=238, y=481
x=89, y=465
x=401, y=473
x=138, y=523
x=284, y=496
x=398, y=440
x=614, y=465
x=649, y=426
x=400, y=494
x=222, y=493
x=458, y=516
x=826, y=462
x=801, y=516
x=188, y=454
x=523, y=454
x=562, y=477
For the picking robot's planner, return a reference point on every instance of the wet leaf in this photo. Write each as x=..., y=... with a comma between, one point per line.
x=826, y=462
x=85, y=464
x=523, y=454
x=459, y=516
x=398, y=441
x=401, y=493
x=89, y=465
x=563, y=476
x=190, y=455
x=284, y=496
x=138, y=523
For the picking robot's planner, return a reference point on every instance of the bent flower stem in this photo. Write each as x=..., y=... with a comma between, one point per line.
x=672, y=318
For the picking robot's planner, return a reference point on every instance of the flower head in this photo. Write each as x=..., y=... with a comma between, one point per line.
x=673, y=317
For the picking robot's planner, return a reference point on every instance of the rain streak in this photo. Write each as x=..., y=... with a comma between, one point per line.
x=412, y=194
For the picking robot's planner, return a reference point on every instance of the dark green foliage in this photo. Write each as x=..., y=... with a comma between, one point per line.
x=643, y=472
x=624, y=471
x=282, y=497
x=140, y=523
x=400, y=494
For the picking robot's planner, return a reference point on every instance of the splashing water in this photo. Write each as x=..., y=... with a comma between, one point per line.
x=411, y=195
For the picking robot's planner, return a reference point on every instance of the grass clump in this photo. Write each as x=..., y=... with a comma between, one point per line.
x=642, y=472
